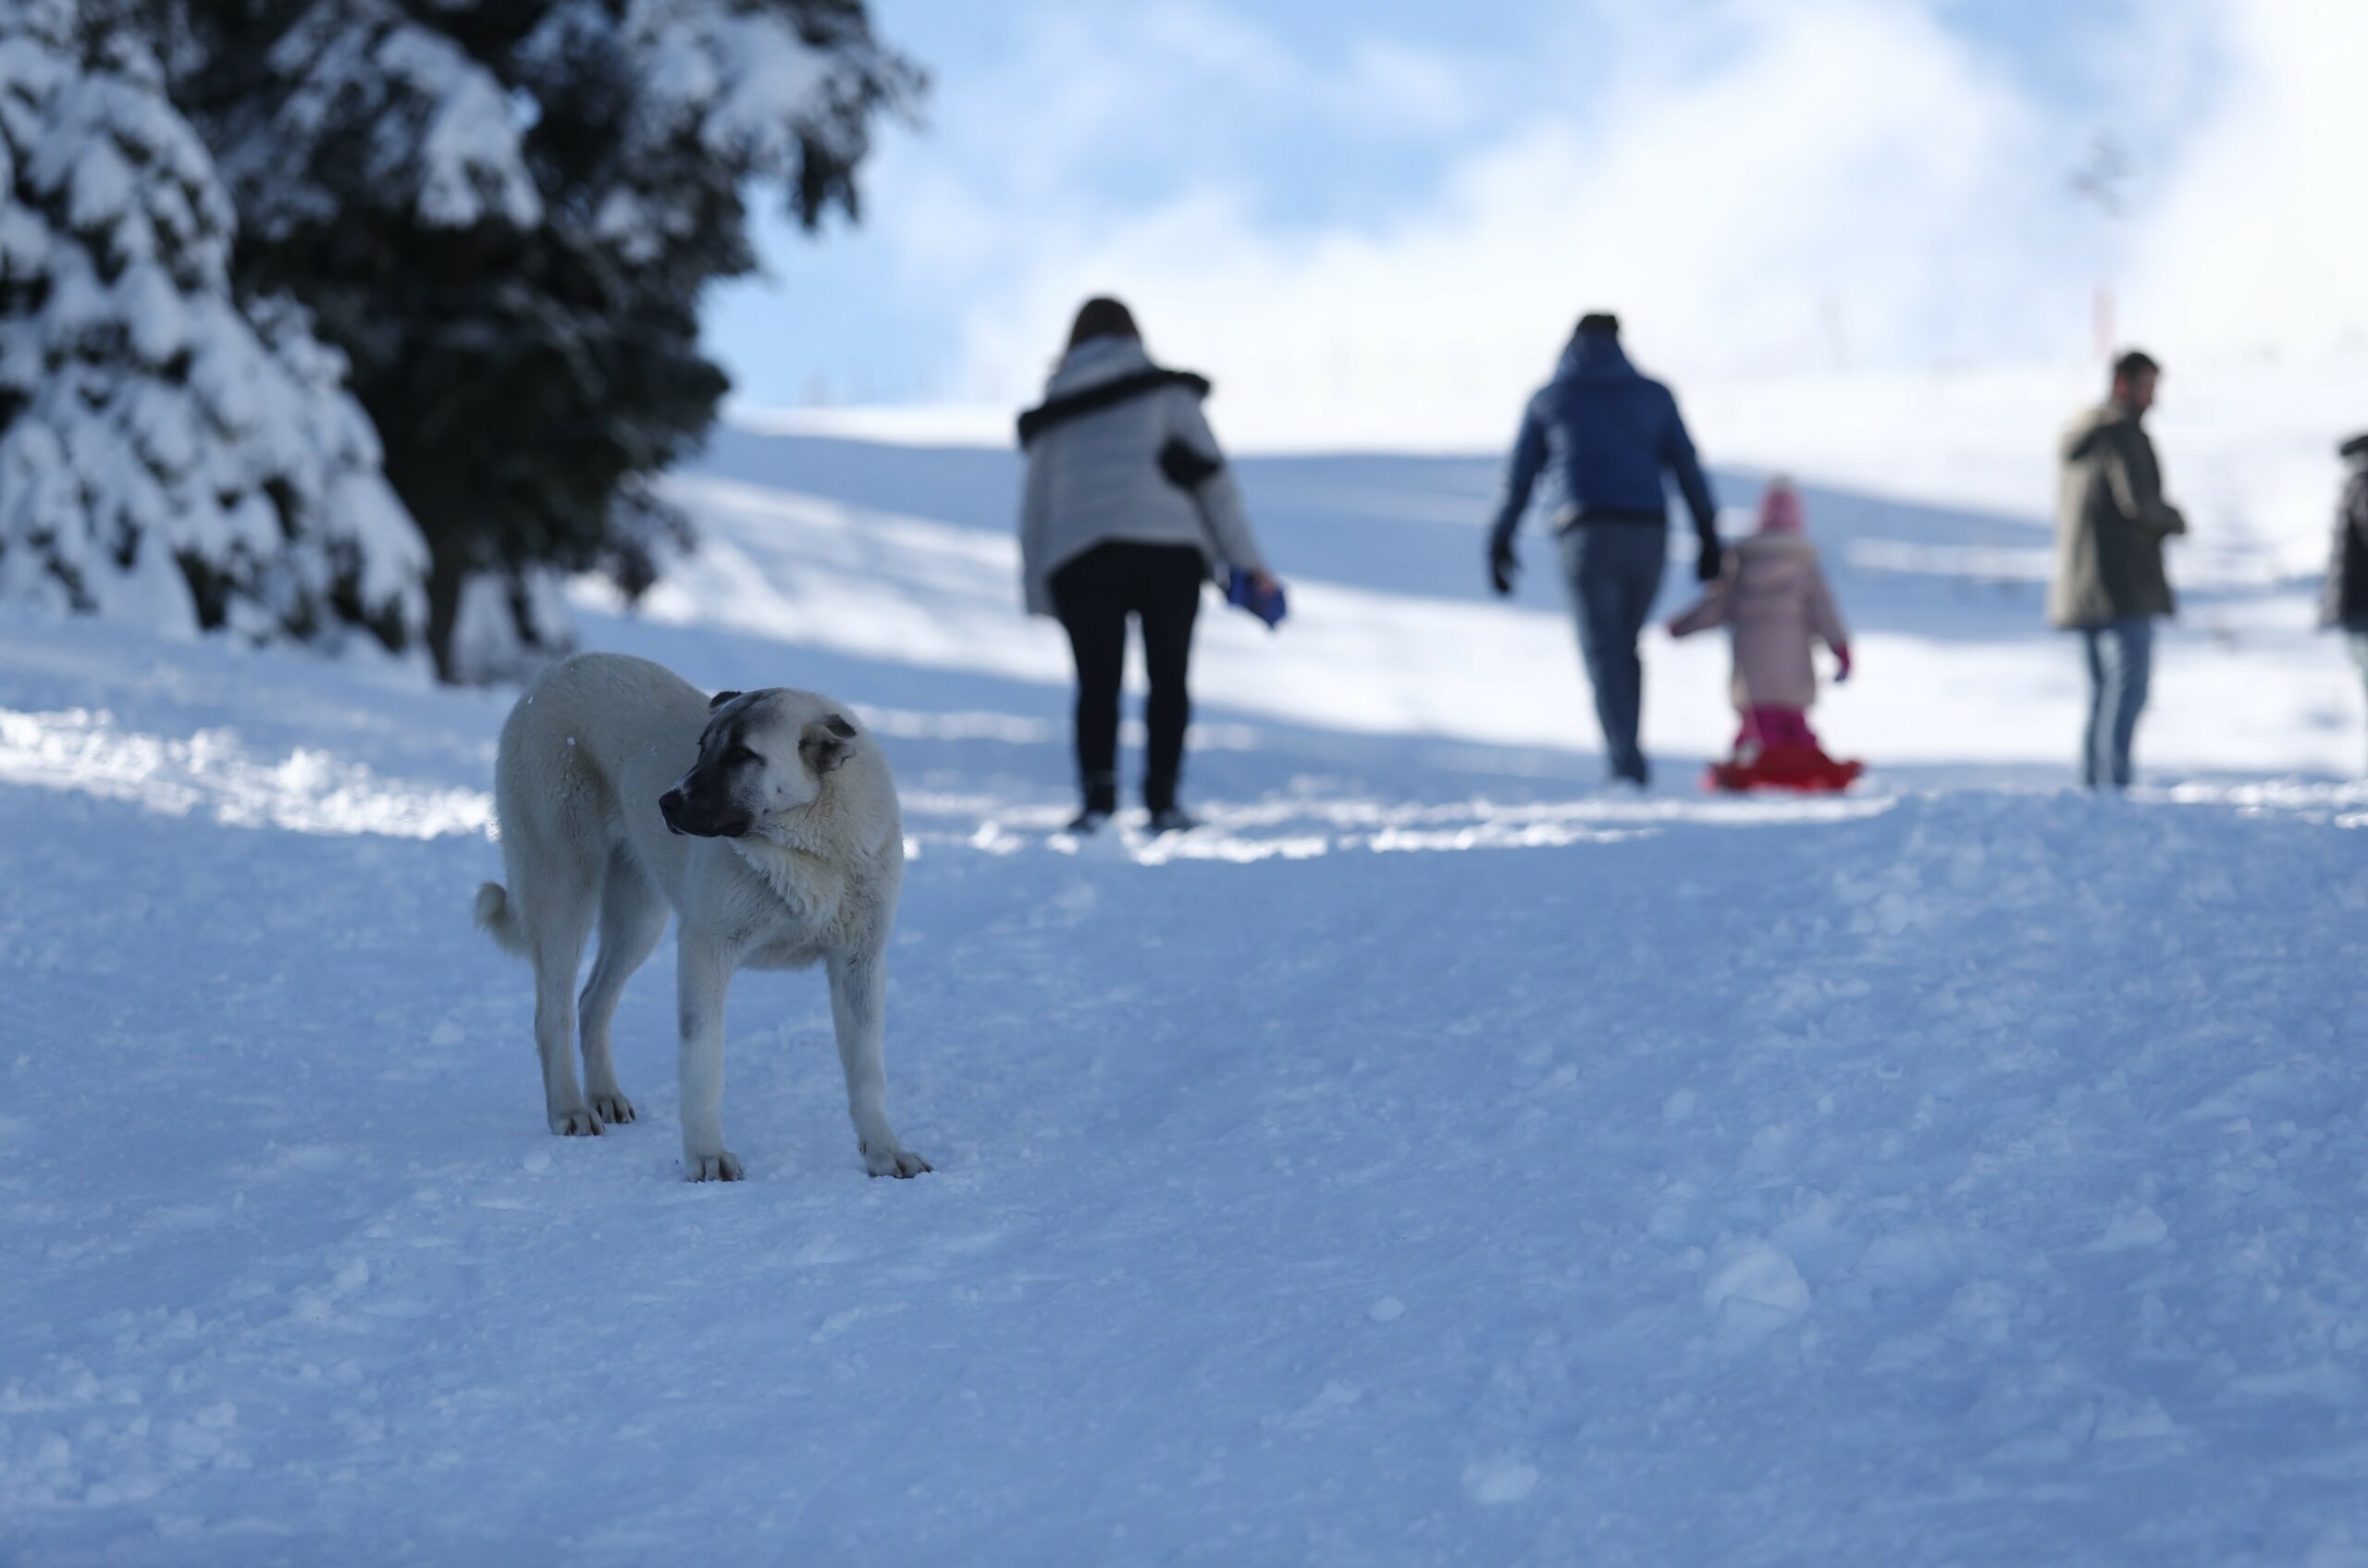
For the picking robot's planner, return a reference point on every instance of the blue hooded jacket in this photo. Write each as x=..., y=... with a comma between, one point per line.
x=1607, y=433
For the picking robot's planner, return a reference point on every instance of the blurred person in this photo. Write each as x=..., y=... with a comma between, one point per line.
x=2344, y=601
x=1127, y=507
x=1604, y=434
x=2110, y=585
x=1774, y=599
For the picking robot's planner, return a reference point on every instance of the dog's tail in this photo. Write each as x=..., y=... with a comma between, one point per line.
x=497, y=920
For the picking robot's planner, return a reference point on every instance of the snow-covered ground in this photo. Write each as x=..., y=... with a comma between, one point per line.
x=1435, y=1159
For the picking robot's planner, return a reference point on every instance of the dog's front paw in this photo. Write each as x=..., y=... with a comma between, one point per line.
x=612, y=1108
x=890, y=1160
x=576, y=1122
x=721, y=1165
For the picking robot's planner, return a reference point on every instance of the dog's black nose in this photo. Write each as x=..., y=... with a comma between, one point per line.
x=668, y=804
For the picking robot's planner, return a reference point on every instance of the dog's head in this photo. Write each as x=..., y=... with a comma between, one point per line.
x=763, y=755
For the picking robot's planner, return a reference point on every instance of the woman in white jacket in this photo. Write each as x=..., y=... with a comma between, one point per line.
x=1128, y=508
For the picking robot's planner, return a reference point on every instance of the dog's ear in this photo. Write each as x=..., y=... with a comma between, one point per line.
x=827, y=744
x=719, y=699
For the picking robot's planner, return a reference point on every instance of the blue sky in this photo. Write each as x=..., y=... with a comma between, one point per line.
x=1397, y=205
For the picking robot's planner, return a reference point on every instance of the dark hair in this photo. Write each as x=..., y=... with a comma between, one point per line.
x=1602, y=321
x=1102, y=316
x=2133, y=365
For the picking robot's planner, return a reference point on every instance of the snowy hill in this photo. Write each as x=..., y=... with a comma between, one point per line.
x=1436, y=1159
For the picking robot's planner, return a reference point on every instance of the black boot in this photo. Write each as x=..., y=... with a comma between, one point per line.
x=1100, y=803
x=1159, y=797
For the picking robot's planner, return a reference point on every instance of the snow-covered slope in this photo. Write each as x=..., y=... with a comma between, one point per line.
x=2248, y=440
x=1436, y=1159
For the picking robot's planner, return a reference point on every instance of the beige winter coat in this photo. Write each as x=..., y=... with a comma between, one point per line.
x=2111, y=522
x=1775, y=598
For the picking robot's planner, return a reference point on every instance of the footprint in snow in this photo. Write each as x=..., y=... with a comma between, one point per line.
x=1492, y=1483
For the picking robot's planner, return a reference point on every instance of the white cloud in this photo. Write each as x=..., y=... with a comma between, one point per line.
x=2261, y=238
x=1759, y=188
x=1404, y=88
x=1776, y=185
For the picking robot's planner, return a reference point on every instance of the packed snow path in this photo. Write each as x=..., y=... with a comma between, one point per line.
x=1434, y=1160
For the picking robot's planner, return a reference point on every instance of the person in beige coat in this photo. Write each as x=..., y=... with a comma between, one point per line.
x=1773, y=597
x=2112, y=523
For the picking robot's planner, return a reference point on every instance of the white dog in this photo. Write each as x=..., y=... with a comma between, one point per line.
x=766, y=819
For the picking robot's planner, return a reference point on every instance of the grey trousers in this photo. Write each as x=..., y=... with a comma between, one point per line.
x=2121, y=666
x=1614, y=573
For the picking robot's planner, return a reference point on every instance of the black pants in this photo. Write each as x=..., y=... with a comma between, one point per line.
x=1159, y=585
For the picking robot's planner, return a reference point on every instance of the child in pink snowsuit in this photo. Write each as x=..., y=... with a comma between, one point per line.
x=1775, y=601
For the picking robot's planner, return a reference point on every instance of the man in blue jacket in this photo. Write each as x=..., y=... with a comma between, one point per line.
x=1606, y=434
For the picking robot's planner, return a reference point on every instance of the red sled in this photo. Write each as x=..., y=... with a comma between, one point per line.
x=1804, y=769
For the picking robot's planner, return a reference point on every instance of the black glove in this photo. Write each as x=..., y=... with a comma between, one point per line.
x=1503, y=566
x=1707, y=564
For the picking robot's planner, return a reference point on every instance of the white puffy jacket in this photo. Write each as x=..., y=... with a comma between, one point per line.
x=1096, y=476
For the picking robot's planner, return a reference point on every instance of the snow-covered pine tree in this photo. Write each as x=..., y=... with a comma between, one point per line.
x=166, y=456
x=504, y=212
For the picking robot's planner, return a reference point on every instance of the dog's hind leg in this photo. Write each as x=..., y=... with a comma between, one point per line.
x=558, y=918
x=633, y=916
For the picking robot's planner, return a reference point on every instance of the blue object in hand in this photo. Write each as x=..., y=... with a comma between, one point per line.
x=1241, y=588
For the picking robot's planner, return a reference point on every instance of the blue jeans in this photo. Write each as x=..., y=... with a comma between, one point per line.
x=2121, y=663
x=1615, y=573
